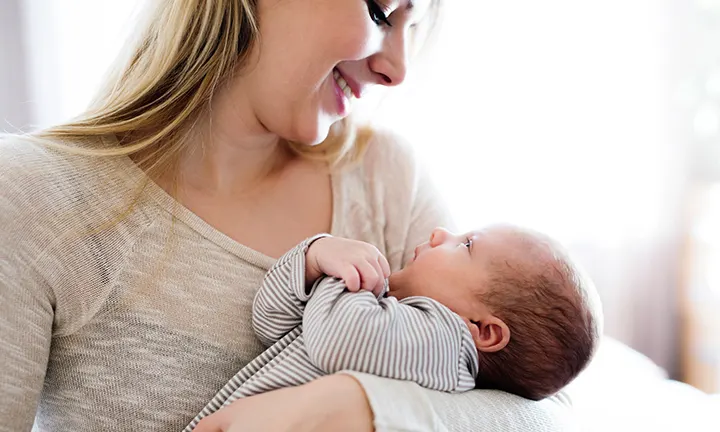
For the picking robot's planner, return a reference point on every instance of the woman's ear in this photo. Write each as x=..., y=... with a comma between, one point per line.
x=490, y=335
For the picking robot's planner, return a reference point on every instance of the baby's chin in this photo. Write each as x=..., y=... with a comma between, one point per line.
x=398, y=288
x=397, y=294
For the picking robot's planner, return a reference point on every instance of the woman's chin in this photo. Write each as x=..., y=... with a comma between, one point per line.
x=306, y=139
x=311, y=133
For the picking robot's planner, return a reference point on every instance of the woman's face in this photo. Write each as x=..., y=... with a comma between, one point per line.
x=315, y=58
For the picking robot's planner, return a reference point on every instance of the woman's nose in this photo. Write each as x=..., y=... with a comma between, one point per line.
x=390, y=65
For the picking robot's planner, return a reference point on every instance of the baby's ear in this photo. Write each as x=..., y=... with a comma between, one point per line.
x=490, y=335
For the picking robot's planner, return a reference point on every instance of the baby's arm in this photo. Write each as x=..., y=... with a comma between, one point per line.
x=279, y=304
x=280, y=301
x=416, y=339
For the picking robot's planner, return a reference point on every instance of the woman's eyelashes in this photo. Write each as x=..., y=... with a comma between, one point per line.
x=377, y=14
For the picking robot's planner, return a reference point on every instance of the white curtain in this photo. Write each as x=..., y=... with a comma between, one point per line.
x=557, y=114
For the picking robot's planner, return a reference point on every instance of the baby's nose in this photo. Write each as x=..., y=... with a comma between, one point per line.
x=439, y=236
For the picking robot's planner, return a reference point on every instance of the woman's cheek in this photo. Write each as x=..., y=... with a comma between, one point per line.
x=360, y=43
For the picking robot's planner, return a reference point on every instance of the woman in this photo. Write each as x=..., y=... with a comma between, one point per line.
x=132, y=239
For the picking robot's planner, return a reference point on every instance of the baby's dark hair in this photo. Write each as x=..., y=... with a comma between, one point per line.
x=554, y=319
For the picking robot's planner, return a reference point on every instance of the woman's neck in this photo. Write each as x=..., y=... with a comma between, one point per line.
x=232, y=151
x=223, y=166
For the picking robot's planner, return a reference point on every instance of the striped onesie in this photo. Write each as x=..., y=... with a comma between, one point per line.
x=330, y=329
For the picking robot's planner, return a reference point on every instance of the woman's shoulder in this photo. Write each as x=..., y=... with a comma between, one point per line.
x=30, y=174
x=17, y=151
x=41, y=186
x=30, y=167
x=388, y=164
x=389, y=152
x=25, y=160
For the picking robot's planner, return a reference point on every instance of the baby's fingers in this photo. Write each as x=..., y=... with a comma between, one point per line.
x=384, y=265
x=379, y=282
x=351, y=276
x=369, y=275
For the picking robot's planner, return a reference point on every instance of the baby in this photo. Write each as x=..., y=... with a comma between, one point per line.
x=500, y=308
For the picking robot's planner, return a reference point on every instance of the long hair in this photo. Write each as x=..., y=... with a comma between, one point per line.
x=163, y=84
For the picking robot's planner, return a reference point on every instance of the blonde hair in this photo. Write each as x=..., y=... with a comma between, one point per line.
x=163, y=85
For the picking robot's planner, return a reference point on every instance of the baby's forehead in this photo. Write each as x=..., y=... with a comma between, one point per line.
x=518, y=247
x=509, y=236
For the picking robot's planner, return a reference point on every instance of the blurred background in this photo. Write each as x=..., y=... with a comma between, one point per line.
x=595, y=121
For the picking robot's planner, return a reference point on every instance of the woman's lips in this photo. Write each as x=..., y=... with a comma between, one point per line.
x=343, y=93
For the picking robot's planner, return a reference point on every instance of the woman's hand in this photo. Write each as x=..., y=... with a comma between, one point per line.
x=332, y=403
x=359, y=264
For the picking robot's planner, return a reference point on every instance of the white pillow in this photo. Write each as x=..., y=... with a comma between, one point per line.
x=623, y=390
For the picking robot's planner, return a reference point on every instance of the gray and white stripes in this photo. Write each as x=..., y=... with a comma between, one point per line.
x=330, y=329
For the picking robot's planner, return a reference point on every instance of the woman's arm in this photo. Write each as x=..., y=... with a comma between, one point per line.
x=363, y=403
x=26, y=322
x=26, y=317
x=329, y=404
x=405, y=406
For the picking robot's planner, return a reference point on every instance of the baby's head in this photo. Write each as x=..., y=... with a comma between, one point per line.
x=534, y=316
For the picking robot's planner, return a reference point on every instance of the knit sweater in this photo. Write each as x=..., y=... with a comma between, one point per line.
x=109, y=314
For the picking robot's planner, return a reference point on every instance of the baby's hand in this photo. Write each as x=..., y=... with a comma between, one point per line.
x=359, y=264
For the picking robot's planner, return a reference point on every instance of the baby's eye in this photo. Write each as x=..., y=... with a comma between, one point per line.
x=468, y=243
